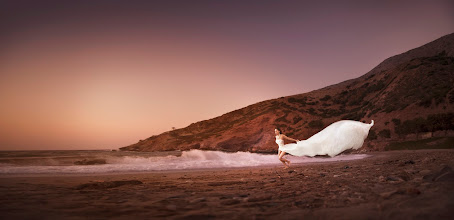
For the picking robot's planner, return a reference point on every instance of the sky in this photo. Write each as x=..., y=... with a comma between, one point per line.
x=105, y=74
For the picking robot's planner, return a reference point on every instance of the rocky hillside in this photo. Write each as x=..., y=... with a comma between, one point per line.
x=407, y=95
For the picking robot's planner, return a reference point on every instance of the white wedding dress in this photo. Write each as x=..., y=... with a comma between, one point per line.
x=332, y=140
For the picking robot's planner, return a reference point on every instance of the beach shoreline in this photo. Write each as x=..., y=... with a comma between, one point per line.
x=391, y=185
x=100, y=164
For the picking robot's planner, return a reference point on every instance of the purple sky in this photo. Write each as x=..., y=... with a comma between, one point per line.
x=104, y=74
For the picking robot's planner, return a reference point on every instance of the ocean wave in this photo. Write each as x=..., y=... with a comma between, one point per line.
x=193, y=159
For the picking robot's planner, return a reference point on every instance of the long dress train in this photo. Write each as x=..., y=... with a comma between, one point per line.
x=337, y=137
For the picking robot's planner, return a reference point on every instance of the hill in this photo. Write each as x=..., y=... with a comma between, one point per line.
x=409, y=95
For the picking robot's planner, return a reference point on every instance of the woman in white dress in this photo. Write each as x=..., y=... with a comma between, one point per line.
x=280, y=141
x=334, y=139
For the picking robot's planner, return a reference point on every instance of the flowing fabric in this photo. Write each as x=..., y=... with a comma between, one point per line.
x=334, y=139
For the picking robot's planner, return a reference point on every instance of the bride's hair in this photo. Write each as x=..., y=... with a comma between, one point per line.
x=280, y=132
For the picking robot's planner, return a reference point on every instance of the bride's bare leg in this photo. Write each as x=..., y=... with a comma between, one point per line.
x=281, y=154
x=283, y=159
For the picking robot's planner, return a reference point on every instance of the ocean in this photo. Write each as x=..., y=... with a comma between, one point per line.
x=106, y=161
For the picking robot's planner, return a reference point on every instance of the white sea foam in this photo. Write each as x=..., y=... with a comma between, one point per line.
x=193, y=159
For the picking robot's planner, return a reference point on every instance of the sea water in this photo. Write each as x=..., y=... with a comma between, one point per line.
x=66, y=161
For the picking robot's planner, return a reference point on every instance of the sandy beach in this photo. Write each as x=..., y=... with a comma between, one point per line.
x=388, y=185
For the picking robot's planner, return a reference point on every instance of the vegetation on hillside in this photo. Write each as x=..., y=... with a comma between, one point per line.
x=432, y=123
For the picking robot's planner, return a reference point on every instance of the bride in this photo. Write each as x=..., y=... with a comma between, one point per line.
x=334, y=139
x=280, y=141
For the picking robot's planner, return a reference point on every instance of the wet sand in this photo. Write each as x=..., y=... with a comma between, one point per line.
x=388, y=185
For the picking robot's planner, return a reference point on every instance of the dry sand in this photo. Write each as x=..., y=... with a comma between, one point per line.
x=389, y=185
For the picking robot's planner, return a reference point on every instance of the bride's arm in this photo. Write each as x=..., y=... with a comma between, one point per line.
x=290, y=139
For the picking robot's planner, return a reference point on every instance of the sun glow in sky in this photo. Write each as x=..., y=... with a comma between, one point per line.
x=104, y=74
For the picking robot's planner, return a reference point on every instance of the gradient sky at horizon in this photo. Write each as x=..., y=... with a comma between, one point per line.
x=104, y=74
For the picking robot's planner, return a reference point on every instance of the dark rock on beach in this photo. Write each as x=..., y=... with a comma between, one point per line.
x=90, y=162
x=445, y=174
x=108, y=184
